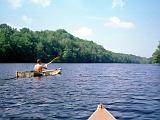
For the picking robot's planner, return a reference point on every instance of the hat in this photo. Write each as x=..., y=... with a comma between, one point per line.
x=39, y=60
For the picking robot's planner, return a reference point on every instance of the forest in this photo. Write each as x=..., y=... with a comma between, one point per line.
x=156, y=55
x=25, y=45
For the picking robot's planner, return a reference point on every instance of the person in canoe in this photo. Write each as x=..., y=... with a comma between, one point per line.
x=39, y=67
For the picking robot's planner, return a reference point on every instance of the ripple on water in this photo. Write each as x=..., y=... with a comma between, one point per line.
x=129, y=92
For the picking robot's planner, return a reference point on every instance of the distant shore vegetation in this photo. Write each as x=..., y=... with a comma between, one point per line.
x=25, y=45
x=156, y=55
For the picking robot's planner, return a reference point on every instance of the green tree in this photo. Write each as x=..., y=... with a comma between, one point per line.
x=25, y=45
x=5, y=42
x=156, y=55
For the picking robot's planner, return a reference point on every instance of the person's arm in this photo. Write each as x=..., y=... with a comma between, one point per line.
x=45, y=66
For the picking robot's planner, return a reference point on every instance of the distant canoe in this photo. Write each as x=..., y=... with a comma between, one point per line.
x=38, y=74
x=101, y=114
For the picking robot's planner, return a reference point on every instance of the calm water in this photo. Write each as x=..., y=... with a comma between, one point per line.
x=128, y=91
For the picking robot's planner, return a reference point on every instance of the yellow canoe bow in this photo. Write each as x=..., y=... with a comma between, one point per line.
x=101, y=114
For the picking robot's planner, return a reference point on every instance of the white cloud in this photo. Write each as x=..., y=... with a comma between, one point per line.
x=117, y=3
x=43, y=3
x=27, y=19
x=18, y=3
x=15, y=3
x=115, y=22
x=83, y=32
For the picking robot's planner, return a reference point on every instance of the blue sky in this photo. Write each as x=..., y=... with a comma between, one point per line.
x=123, y=26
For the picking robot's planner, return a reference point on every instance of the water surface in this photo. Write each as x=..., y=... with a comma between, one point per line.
x=128, y=91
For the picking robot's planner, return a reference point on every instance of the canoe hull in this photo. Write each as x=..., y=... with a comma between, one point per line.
x=24, y=74
x=101, y=114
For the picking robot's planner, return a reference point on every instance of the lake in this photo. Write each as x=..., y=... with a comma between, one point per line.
x=128, y=91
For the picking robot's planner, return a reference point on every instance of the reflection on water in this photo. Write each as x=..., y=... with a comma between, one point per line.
x=129, y=92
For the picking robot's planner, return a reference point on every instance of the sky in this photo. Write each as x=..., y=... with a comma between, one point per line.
x=122, y=26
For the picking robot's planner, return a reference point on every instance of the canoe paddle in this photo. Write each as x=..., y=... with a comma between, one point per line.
x=52, y=60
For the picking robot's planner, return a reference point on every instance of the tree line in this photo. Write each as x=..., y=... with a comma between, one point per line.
x=25, y=45
x=156, y=55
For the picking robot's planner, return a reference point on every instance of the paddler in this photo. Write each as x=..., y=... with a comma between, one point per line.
x=39, y=67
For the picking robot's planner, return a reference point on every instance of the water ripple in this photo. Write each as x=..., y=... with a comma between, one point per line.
x=129, y=92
